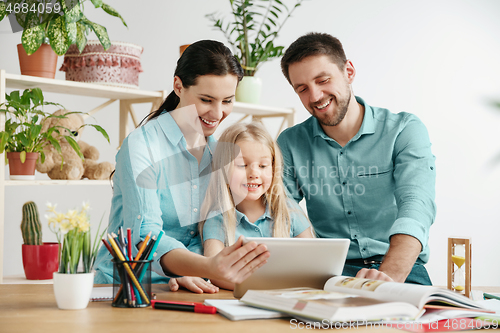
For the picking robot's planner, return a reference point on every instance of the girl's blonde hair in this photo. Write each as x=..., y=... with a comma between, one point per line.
x=219, y=199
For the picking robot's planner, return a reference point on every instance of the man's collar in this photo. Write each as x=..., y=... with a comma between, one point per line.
x=368, y=125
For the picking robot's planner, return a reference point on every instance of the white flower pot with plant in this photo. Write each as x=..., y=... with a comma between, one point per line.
x=251, y=35
x=72, y=288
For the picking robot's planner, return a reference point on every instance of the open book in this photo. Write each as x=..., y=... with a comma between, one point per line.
x=345, y=299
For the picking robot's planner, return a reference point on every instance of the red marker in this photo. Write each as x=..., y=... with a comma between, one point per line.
x=183, y=306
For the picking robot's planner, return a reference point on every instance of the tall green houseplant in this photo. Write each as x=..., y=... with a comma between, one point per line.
x=59, y=23
x=253, y=30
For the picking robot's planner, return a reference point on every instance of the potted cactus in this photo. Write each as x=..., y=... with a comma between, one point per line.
x=40, y=259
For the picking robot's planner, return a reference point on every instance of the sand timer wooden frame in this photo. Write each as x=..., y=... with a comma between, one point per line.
x=459, y=265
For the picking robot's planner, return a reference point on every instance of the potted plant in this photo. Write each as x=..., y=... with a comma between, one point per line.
x=49, y=28
x=251, y=35
x=71, y=287
x=40, y=260
x=23, y=138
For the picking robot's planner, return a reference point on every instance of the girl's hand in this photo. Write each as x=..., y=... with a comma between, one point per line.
x=237, y=262
x=192, y=283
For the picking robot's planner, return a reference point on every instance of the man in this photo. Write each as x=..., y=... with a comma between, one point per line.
x=366, y=174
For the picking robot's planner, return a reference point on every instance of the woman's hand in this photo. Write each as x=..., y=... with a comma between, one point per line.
x=237, y=262
x=192, y=283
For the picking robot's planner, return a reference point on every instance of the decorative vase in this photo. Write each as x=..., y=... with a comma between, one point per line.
x=249, y=90
x=40, y=261
x=42, y=63
x=19, y=170
x=73, y=291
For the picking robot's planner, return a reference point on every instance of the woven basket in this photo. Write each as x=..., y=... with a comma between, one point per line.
x=119, y=66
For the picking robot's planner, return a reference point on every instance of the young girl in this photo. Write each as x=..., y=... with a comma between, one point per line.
x=246, y=195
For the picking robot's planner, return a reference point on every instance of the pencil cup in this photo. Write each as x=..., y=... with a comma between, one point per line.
x=131, y=283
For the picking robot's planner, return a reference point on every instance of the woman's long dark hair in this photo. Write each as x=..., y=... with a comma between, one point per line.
x=205, y=57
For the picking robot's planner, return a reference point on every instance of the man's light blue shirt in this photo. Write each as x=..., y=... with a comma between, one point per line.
x=381, y=183
x=157, y=185
x=262, y=227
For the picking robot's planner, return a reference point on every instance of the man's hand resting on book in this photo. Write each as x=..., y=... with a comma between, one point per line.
x=373, y=274
x=398, y=261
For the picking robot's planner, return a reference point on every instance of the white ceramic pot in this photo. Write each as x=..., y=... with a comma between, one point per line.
x=249, y=90
x=73, y=291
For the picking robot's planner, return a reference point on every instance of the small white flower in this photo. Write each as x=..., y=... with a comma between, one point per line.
x=51, y=208
x=85, y=206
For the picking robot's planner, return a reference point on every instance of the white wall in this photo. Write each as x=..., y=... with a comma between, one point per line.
x=435, y=58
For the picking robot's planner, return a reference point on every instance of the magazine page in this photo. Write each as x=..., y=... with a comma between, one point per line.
x=417, y=295
x=382, y=290
x=330, y=305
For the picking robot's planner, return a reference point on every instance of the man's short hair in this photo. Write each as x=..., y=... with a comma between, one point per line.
x=314, y=43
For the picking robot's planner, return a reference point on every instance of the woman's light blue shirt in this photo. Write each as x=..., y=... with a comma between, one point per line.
x=157, y=185
x=262, y=227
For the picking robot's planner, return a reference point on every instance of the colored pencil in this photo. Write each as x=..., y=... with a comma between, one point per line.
x=129, y=242
x=141, y=250
x=151, y=255
x=108, y=247
x=123, y=278
x=490, y=296
x=122, y=237
x=145, y=255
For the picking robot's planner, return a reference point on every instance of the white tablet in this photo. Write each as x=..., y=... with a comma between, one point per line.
x=296, y=262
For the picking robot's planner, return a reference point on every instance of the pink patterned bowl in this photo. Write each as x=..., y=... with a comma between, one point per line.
x=120, y=65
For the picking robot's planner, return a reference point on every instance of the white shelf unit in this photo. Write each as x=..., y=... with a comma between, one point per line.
x=127, y=98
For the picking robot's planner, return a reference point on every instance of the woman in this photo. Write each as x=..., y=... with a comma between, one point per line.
x=163, y=169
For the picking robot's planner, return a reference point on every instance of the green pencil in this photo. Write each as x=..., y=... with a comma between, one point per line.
x=486, y=295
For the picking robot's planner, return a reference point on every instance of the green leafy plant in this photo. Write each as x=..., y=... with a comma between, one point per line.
x=256, y=25
x=25, y=117
x=59, y=23
x=72, y=230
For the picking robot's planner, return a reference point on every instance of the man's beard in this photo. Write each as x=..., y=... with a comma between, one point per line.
x=337, y=117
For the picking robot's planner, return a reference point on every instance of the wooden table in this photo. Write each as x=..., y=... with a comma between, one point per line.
x=33, y=308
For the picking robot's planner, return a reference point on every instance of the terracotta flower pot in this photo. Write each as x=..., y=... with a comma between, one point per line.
x=182, y=48
x=40, y=261
x=19, y=170
x=42, y=63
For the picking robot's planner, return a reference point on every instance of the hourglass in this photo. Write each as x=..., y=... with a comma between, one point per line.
x=459, y=265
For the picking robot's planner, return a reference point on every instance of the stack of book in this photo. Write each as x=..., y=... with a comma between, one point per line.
x=355, y=302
